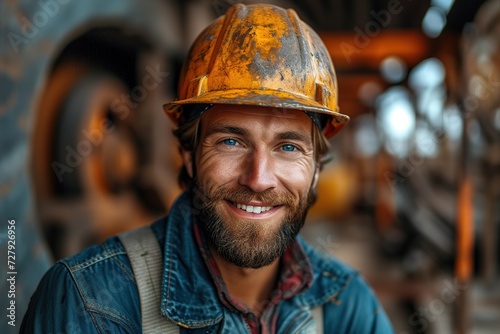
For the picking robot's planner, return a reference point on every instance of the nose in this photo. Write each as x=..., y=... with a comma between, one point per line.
x=259, y=171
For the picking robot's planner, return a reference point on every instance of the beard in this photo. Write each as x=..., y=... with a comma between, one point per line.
x=247, y=243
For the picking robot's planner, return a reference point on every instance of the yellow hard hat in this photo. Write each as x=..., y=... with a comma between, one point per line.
x=260, y=55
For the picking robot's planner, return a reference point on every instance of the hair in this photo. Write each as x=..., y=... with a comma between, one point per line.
x=188, y=135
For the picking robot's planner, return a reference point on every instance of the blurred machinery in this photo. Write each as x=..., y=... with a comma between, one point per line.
x=84, y=152
x=482, y=87
x=102, y=153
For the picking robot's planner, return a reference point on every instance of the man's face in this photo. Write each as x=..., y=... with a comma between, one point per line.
x=255, y=171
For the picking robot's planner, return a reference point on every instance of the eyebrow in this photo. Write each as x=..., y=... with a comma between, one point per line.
x=227, y=129
x=292, y=135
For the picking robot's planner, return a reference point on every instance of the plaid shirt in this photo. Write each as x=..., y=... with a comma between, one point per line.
x=295, y=277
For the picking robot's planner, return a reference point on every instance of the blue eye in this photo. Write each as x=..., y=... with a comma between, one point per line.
x=230, y=142
x=288, y=148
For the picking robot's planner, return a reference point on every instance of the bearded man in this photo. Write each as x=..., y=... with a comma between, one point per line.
x=257, y=102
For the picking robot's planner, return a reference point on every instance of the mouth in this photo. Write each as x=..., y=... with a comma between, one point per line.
x=252, y=208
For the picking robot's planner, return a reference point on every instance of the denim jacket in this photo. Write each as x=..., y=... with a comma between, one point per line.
x=95, y=291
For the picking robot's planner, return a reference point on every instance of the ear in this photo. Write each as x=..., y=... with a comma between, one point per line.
x=187, y=159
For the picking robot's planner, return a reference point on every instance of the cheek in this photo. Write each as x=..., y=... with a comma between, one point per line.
x=297, y=177
x=215, y=169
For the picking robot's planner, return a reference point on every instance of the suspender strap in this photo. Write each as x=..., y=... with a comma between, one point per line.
x=317, y=313
x=145, y=256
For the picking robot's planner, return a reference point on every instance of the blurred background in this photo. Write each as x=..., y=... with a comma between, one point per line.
x=411, y=197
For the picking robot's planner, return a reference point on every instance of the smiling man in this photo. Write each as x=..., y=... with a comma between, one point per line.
x=257, y=101
x=257, y=173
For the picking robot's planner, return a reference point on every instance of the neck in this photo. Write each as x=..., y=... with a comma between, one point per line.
x=251, y=286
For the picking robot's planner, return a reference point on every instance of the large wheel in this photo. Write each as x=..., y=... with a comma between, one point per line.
x=86, y=160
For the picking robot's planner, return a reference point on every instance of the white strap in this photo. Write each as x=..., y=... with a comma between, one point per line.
x=317, y=313
x=145, y=257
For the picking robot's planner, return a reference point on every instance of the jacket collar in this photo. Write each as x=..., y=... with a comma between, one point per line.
x=188, y=296
x=330, y=277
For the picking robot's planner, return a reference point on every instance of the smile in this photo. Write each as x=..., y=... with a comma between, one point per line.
x=252, y=208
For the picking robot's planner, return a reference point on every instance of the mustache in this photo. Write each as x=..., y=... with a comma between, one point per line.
x=239, y=194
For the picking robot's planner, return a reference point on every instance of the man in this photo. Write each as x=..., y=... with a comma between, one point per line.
x=257, y=100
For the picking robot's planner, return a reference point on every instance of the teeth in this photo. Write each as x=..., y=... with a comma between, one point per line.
x=253, y=209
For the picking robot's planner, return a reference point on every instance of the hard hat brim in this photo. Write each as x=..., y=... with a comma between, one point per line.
x=262, y=98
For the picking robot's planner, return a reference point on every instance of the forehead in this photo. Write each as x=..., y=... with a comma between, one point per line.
x=278, y=119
